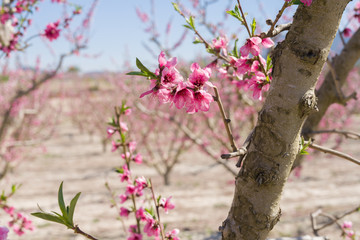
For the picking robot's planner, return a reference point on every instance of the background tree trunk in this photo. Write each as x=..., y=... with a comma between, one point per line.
x=298, y=61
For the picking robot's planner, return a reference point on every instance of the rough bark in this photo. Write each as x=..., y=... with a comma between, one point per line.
x=298, y=61
x=329, y=93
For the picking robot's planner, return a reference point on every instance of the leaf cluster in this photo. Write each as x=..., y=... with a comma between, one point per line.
x=67, y=212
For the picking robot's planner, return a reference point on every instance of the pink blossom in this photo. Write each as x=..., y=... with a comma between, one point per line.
x=267, y=42
x=141, y=183
x=347, y=32
x=220, y=44
x=140, y=214
x=4, y=17
x=199, y=76
x=3, y=233
x=143, y=16
x=124, y=212
x=166, y=204
x=115, y=146
x=170, y=77
x=126, y=155
x=172, y=235
x=138, y=158
x=128, y=112
x=110, y=131
x=242, y=65
x=201, y=102
x=151, y=227
x=183, y=96
x=258, y=84
x=306, y=2
x=161, y=93
x=9, y=210
x=130, y=189
x=163, y=62
x=347, y=224
x=125, y=175
x=223, y=74
x=52, y=32
x=124, y=127
x=19, y=231
x=123, y=198
x=135, y=236
x=251, y=46
x=132, y=146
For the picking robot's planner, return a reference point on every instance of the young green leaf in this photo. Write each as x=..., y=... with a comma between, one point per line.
x=61, y=201
x=235, y=51
x=176, y=7
x=137, y=74
x=48, y=217
x=253, y=27
x=72, y=207
x=144, y=69
x=298, y=2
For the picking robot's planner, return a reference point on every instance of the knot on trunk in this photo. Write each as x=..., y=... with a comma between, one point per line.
x=308, y=104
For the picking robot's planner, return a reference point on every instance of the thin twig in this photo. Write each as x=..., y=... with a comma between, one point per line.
x=244, y=17
x=347, y=134
x=277, y=18
x=334, y=219
x=189, y=134
x=79, y=231
x=334, y=152
x=157, y=210
x=225, y=119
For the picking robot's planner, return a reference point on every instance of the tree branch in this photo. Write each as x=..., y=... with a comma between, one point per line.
x=334, y=152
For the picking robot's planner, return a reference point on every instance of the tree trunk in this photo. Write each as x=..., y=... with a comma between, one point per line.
x=298, y=61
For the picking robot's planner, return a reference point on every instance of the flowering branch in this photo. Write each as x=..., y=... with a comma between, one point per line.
x=157, y=210
x=333, y=219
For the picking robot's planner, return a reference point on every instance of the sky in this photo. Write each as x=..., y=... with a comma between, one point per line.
x=117, y=36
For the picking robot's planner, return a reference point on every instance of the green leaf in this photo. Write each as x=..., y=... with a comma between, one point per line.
x=235, y=51
x=253, y=27
x=48, y=217
x=187, y=26
x=191, y=22
x=304, y=146
x=268, y=63
x=196, y=41
x=235, y=14
x=137, y=74
x=61, y=201
x=298, y=2
x=176, y=7
x=145, y=70
x=72, y=207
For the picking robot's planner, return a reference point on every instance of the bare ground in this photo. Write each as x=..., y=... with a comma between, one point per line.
x=202, y=193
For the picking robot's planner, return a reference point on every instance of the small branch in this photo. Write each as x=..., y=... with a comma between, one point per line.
x=189, y=134
x=244, y=17
x=333, y=219
x=347, y=134
x=79, y=231
x=226, y=120
x=277, y=18
x=157, y=210
x=278, y=29
x=334, y=152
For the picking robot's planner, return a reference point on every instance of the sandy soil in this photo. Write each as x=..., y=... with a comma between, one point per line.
x=202, y=193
